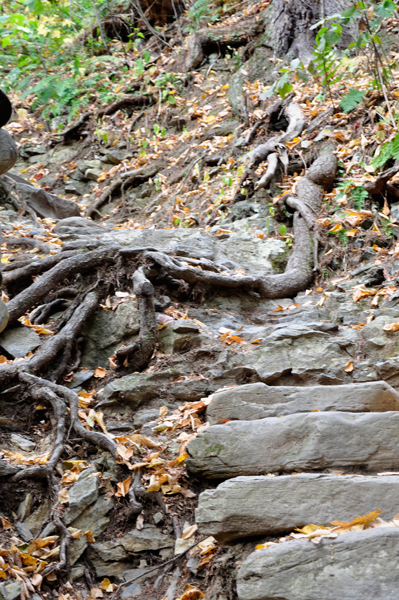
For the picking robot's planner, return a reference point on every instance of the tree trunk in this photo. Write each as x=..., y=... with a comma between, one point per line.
x=294, y=37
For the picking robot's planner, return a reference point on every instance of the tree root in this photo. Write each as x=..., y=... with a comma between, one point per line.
x=29, y=243
x=34, y=267
x=378, y=186
x=125, y=179
x=144, y=346
x=65, y=268
x=129, y=101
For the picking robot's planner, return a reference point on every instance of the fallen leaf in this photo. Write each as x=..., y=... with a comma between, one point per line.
x=100, y=373
x=189, y=531
x=391, y=327
x=191, y=593
x=123, y=487
x=365, y=520
x=349, y=367
x=63, y=496
x=89, y=536
x=107, y=586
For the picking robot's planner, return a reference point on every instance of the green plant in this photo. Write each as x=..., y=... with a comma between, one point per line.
x=351, y=100
x=387, y=151
x=202, y=9
x=283, y=230
x=354, y=193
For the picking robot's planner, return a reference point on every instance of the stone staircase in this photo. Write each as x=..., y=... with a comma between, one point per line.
x=282, y=451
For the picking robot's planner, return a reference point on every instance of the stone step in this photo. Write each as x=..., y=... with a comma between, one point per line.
x=258, y=400
x=314, y=441
x=354, y=566
x=249, y=506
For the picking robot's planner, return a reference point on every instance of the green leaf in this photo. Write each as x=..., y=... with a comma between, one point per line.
x=384, y=155
x=351, y=100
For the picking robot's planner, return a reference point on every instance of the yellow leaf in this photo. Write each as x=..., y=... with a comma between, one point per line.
x=182, y=457
x=123, y=487
x=256, y=341
x=351, y=233
x=100, y=373
x=4, y=260
x=106, y=585
x=191, y=593
x=336, y=228
x=349, y=367
x=366, y=520
x=206, y=176
x=89, y=536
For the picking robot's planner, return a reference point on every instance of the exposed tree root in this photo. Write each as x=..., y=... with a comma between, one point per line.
x=125, y=179
x=379, y=185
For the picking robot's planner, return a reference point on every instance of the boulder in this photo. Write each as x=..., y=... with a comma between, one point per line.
x=258, y=401
x=137, y=388
x=108, y=330
x=249, y=506
x=10, y=590
x=318, y=440
x=356, y=565
x=8, y=152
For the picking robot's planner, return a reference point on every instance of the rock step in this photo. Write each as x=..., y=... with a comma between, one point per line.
x=354, y=566
x=318, y=440
x=249, y=506
x=258, y=400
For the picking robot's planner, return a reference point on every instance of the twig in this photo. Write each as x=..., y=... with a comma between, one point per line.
x=168, y=562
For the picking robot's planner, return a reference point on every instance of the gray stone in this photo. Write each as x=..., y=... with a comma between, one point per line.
x=8, y=152
x=23, y=442
x=115, y=157
x=35, y=520
x=79, y=378
x=318, y=440
x=148, y=538
x=110, y=551
x=159, y=518
x=24, y=531
x=356, y=565
x=93, y=519
x=131, y=591
x=77, y=572
x=3, y=315
x=145, y=416
x=19, y=341
x=108, y=330
x=258, y=401
x=179, y=336
x=10, y=591
x=83, y=493
x=25, y=506
x=137, y=388
x=133, y=573
x=6, y=469
x=249, y=506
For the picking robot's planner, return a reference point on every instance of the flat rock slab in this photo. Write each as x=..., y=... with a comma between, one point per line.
x=258, y=401
x=19, y=341
x=303, y=442
x=249, y=506
x=355, y=566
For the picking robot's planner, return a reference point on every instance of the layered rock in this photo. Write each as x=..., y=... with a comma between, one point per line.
x=357, y=565
x=258, y=401
x=312, y=441
x=250, y=506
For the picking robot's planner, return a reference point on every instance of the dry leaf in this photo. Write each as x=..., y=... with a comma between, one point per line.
x=191, y=593
x=89, y=536
x=63, y=496
x=100, y=373
x=107, y=586
x=123, y=487
x=391, y=327
x=189, y=531
x=365, y=520
x=140, y=522
x=349, y=367
x=96, y=593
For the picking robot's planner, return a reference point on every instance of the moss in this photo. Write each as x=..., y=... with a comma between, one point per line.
x=279, y=261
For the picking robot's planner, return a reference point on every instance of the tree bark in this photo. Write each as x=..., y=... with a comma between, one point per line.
x=293, y=20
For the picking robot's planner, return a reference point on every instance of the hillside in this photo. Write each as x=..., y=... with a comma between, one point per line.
x=199, y=317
